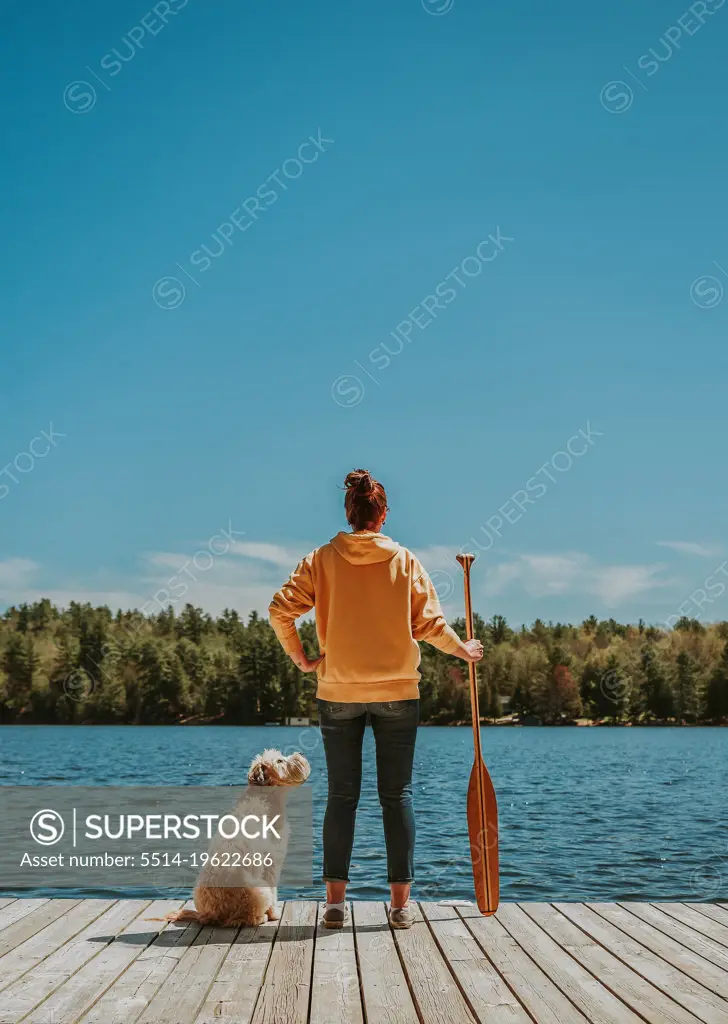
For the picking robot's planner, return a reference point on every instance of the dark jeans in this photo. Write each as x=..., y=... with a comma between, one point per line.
x=394, y=724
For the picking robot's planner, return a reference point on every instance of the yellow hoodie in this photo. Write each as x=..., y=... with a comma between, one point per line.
x=373, y=602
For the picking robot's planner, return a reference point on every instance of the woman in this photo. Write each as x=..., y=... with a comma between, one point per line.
x=373, y=602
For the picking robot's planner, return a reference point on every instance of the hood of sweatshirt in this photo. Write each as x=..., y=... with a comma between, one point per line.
x=365, y=548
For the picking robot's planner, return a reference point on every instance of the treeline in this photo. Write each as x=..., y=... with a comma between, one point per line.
x=89, y=665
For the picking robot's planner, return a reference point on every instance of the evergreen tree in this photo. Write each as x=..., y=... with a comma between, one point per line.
x=686, y=688
x=106, y=701
x=20, y=665
x=229, y=623
x=716, y=698
x=434, y=684
x=523, y=699
x=658, y=695
x=63, y=678
x=166, y=622
x=198, y=664
x=260, y=677
x=23, y=623
x=558, y=697
x=161, y=684
x=41, y=615
x=591, y=698
x=494, y=708
x=222, y=697
x=539, y=632
x=637, y=698
x=499, y=630
x=191, y=624
x=688, y=625
x=455, y=697
x=615, y=686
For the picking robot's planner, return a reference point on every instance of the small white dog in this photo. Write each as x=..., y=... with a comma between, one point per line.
x=237, y=903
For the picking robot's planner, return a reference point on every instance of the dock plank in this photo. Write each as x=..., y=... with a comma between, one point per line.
x=234, y=992
x=542, y=998
x=85, y=986
x=128, y=997
x=596, y=1002
x=24, y=995
x=385, y=990
x=284, y=994
x=35, y=920
x=720, y=909
x=687, y=914
x=433, y=987
x=649, y=1002
x=717, y=911
x=488, y=995
x=182, y=994
x=668, y=949
x=13, y=910
x=42, y=944
x=683, y=989
x=335, y=995
x=681, y=932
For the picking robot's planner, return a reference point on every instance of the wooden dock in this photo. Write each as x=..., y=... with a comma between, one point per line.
x=95, y=961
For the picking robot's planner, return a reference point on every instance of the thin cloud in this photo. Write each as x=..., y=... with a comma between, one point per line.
x=574, y=573
x=20, y=583
x=241, y=579
x=689, y=547
x=275, y=554
x=16, y=572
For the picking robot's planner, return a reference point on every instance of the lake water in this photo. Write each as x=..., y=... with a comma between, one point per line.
x=585, y=814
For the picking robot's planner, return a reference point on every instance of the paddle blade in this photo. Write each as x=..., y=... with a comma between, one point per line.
x=483, y=835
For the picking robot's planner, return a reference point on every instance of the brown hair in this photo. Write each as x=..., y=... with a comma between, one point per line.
x=366, y=499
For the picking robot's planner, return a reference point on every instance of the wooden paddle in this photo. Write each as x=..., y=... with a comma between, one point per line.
x=482, y=806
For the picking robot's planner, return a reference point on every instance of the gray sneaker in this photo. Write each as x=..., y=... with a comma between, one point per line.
x=402, y=917
x=333, y=917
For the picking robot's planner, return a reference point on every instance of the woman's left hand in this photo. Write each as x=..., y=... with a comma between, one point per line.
x=473, y=650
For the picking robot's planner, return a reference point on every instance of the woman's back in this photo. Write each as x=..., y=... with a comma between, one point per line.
x=373, y=601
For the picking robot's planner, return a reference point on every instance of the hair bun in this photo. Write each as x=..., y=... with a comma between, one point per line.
x=360, y=481
x=365, y=501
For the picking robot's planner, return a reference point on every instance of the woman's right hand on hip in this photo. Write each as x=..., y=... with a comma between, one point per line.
x=307, y=664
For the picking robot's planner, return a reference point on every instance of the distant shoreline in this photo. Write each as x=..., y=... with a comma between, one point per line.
x=92, y=666
x=465, y=724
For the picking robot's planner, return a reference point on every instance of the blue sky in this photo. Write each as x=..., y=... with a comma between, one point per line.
x=585, y=141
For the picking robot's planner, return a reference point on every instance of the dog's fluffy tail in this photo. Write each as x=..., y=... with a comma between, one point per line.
x=181, y=916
